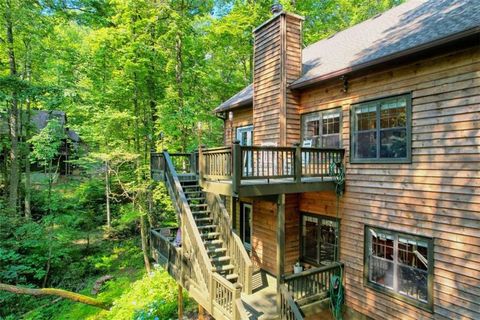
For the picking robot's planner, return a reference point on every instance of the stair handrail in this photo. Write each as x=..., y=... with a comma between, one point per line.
x=222, y=294
x=289, y=309
x=188, y=226
x=242, y=263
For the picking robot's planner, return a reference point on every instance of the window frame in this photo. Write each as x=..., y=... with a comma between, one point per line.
x=378, y=129
x=248, y=246
x=321, y=114
x=427, y=306
x=319, y=217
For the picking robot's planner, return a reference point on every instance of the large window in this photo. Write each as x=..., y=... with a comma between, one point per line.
x=322, y=129
x=400, y=264
x=318, y=239
x=381, y=130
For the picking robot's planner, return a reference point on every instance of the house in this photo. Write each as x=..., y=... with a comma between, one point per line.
x=38, y=120
x=395, y=101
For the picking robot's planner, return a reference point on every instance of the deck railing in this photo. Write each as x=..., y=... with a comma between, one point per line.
x=184, y=163
x=164, y=252
x=238, y=163
x=239, y=257
x=312, y=283
x=220, y=295
x=289, y=310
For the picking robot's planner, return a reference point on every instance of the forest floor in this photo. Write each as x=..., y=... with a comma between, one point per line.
x=88, y=251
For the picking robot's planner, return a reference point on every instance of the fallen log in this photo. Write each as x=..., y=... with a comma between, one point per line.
x=56, y=292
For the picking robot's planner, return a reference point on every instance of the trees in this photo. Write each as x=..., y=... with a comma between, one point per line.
x=123, y=71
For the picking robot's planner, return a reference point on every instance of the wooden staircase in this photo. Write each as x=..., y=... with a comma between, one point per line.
x=212, y=238
x=210, y=262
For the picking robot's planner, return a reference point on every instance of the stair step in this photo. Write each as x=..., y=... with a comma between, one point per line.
x=191, y=186
x=216, y=250
x=197, y=199
x=231, y=276
x=201, y=211
x=203, y=219
x=212, y=242
x=189, y=180
x=220, y=259
x=197, y=205
x=209, y=226
x=226, y=267
x=209, y=234
x=193, y=192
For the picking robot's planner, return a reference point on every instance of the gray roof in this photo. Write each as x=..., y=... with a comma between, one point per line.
x=242, y=98
x=411, y=25
x=40, y=118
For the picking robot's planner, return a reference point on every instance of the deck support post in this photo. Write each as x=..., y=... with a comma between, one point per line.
x=201, y=312
x=298, y=162
x=280, y=245
x=233, y=211
x=180, y=302
x=201, y=165
x=236, y=167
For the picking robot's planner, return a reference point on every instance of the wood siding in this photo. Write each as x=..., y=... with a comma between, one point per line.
x=241, y=118
x=264, y=234
x=437, y=195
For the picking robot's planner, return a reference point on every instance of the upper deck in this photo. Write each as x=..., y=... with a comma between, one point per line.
x=245, y=171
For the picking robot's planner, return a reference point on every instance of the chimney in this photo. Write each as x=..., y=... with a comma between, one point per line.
x=277, y=63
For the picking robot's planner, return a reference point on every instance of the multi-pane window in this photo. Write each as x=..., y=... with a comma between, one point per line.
x=322, y=129
x=400, y=263
x=318, y=239
x=381, y=130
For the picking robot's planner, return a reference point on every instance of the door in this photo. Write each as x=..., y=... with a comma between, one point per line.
x=245, y=136
x=246, y=224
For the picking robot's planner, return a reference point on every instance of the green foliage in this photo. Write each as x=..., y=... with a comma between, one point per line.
x=46, y=144
x=124, y=71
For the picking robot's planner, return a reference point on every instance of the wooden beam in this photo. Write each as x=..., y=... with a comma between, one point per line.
x=180, y=302
x=233, y=212
x=201, y=312
x=280, y=244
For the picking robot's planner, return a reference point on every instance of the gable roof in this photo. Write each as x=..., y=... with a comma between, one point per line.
x=242, y=98
x=404, y=28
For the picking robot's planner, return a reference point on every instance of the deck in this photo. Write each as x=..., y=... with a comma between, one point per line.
x=244, y=171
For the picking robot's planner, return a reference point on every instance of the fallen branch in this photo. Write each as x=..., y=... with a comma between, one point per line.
x=100, y=281
x=56, y=292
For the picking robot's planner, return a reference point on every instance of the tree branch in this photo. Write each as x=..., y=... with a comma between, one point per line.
x=56, y=292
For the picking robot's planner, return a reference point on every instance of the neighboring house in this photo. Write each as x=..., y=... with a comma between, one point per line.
x=38, y=121
x=397, y=100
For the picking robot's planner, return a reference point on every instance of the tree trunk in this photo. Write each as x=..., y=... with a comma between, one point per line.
x=107, y=193
x=144, y=243
x=56, y=292
x=28, y=183
x=13, y=115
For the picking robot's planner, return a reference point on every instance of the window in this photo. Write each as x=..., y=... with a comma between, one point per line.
x=381, y=130
x=400, y=264
x=322, y=129
x=246, y=224
x=318, y=239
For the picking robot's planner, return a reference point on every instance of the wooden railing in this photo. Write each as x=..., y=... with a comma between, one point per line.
x=217, y=294
x=157, y=165
x=239, y=257
x=289, y=309
x=237, y=163
x=164, y=252
x=219, y=163
x=316, y=161
x=312, y=283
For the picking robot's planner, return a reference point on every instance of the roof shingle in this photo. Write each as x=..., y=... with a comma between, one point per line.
x=407, y=26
